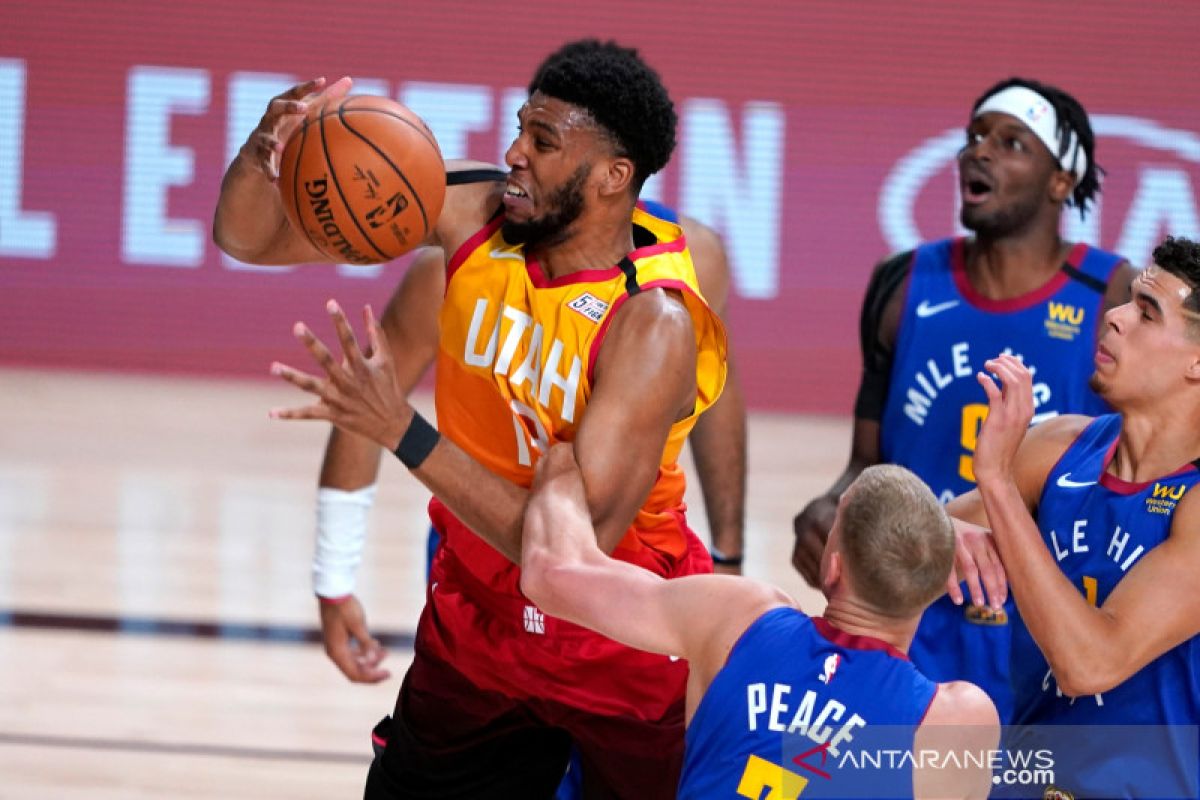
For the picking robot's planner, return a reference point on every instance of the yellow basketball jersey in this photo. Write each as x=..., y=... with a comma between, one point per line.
x=517, y=354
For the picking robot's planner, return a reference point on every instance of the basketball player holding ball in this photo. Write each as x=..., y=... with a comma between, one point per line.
x=569, y=316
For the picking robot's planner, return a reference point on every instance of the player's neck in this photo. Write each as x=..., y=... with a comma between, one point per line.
x=1007, y=267
x=596, y=241
x=1155, y=442
x=854, y=617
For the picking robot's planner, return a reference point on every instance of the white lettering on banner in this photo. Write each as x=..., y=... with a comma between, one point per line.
x=452, y=112
x=511, y=100
x=1164, y=198
x=739, y=194
x=153, y=165
x=1164, y=201
x=24, y=234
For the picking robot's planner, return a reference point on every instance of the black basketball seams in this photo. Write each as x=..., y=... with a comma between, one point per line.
x=341, y=112
x=296, y=183
x=337, y=184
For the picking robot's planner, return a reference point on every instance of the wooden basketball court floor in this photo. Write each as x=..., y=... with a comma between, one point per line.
x=156, y=621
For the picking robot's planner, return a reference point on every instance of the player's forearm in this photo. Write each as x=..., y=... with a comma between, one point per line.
x=719, y=449
x=611, y=597
x=489, y=505
x=1069, y=632
x=249, y=214
x=351, y=461
x=864, y=452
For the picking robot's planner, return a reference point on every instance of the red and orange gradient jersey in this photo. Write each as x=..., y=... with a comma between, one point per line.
x=515, y=369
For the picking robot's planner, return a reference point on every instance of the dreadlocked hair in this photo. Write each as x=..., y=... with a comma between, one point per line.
x=621, y=92
x=1071, y=118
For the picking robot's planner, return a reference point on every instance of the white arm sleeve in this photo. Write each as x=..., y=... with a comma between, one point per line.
x=341, y=536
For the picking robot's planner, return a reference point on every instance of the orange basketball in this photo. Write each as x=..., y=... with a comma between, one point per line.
x=364, y=179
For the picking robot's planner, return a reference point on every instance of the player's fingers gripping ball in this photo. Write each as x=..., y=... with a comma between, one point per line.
x=363, y=178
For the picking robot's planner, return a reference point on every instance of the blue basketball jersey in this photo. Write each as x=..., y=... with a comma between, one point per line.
x=934, y=404
x=1097, y=527
x=789, y=704
x=935, y=407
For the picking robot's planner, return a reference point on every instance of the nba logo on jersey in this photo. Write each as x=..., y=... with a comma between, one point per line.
x=535, y=621
x=831, y=665
x=589, y=306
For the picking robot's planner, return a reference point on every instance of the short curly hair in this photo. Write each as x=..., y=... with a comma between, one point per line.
x=1181, y=257
x=621, y=92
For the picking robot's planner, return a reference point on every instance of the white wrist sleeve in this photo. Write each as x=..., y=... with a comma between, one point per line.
x=341, y=535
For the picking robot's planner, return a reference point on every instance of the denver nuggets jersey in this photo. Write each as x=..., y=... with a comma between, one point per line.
x=515, y=369
x=797, y=690
x=935, y=407
x=1097, y=527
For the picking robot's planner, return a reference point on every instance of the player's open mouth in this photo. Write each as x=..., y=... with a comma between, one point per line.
x=975, y=189
x=516, y=199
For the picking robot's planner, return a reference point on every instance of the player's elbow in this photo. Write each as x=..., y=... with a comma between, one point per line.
x=226, y=242
x=1078, y=678
x=538, y=576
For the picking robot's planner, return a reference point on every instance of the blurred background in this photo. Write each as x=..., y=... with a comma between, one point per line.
x=155, y=527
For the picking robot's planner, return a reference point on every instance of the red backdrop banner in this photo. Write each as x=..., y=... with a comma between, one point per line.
x=817, y=137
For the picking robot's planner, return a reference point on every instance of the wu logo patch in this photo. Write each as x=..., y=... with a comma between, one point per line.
x=1162, y=499
x=589, y=306
x=1063, y=321
x=535, y=621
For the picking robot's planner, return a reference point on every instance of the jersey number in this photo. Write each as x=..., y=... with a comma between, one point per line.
x=973, y=415
x=539, y=440
x=760, y=774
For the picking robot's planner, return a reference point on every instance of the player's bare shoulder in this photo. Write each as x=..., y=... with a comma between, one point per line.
x=1186, y=520
x=473, y=194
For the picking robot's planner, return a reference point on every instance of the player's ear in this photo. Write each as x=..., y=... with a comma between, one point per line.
x=1061, y=186
x=832, y=574
x=1193, y=370
x=617, y=177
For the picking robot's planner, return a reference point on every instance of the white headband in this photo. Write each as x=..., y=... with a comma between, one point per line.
x=1039, y=116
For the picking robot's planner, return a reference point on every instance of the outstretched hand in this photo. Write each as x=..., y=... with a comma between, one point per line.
x=361, y=394
x=283, y=116
x=1010, y=410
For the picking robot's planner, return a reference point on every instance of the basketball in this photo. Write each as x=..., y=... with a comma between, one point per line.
x=364, y=179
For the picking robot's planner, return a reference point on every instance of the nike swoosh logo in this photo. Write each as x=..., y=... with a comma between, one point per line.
x=1065, y=482
x=500, y=253
x=926, y=310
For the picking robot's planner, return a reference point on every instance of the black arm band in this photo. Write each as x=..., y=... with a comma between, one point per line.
x=719, y=559
x=417, y=442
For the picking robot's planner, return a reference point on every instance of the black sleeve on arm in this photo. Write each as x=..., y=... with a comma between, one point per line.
x=877, y=355
x=458, y=177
